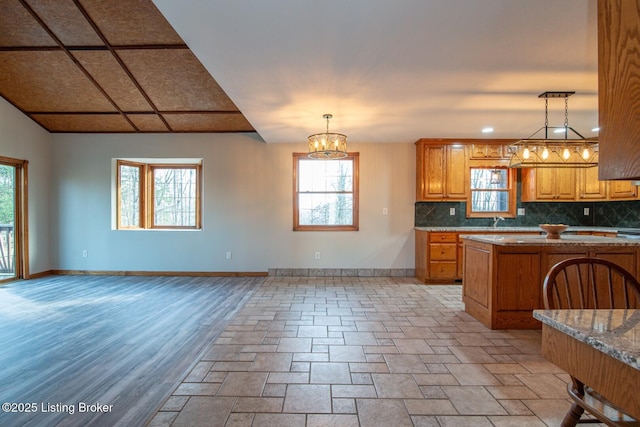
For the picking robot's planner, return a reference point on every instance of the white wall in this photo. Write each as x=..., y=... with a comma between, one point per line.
x=247, y=199
x=21, y=138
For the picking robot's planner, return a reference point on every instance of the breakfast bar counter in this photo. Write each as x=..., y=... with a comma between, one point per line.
x=502, y=275
x=601, y=348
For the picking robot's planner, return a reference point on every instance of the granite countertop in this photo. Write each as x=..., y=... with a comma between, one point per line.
x=523, y=229
x=613, y=332
x=533, y=240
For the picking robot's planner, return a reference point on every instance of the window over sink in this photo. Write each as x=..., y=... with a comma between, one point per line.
x=492, y=192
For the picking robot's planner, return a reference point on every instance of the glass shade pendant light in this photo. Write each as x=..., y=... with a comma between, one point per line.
x=327, y=145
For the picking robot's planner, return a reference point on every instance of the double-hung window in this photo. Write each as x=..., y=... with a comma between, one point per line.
x=492, y=192
x=162, y=195
x=325, y=193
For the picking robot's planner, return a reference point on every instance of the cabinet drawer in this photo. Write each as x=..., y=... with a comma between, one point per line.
x=442, y=252
x=443, y=237
x=442, y=270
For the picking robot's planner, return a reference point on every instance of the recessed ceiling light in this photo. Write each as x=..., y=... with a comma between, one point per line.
x=487, y=130
x=596, y=129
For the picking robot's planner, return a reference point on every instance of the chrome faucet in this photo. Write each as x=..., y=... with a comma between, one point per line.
x=495, y=221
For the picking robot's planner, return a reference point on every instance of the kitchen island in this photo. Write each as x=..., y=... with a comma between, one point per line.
x=503, y=274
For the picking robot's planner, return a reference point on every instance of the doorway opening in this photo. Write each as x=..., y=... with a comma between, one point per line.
x=13, y=211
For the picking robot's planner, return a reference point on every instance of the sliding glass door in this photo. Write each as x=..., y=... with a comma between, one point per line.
x=7, y=221
x=12, y=212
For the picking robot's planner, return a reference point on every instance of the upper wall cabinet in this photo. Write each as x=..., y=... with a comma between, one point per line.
x=487, y=151
x=618, y=89
x=567, y=184
x=548, y=184
x=442, y=171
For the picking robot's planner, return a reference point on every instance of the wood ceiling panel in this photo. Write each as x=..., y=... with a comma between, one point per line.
x=83, y=122
x=42, y=81
x=203, y=122
x=67, y=22
x=148, y=122
x=132, y=22
x=19, y=28
x=174, y=79
x=106, y=70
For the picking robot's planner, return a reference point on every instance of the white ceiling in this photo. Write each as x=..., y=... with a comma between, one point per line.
x=397, y=70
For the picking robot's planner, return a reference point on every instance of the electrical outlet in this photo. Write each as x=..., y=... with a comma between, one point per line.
x=317, y=255
x=520, y=211
x=586, y=211
x=229, y=255
x=385, y=211
x=85, y=253
x=452, y=211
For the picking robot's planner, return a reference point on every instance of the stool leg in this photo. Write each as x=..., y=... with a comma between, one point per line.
x=572, y=416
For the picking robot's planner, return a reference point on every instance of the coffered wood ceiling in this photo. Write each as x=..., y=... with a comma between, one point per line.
x=107, y=66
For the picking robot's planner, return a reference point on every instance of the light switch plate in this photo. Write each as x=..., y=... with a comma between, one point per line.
x=586, y=211
x=452, y=211
x=520, y=211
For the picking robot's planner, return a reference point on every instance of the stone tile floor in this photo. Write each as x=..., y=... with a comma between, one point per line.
x=369, y=351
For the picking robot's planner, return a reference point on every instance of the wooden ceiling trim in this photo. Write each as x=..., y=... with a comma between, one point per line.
x=121, y=63
x=176, y=80
x=205, y=122
x=66, y=22
x=48, y=81
x=130, y=22
x=70, y=66
x=19, y=28
x=80, y=67
x=148, y=122
x=104, y=123
x=106, y=70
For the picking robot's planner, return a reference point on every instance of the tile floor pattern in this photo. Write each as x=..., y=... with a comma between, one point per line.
x=366, y=352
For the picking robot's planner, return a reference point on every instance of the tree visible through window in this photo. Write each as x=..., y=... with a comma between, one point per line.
x=326, y=193
x=492, y=192
x=158, y=195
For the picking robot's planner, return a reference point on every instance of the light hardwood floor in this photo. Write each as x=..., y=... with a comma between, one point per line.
x=124, y=341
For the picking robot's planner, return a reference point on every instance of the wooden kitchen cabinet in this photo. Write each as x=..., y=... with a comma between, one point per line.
x=622, y=190
x=487, y=151
x=442, y=255
x=589, y=187
x=618, y=89
x=442, y=171
x=503, y=282
x=548, y=184
x=439, y=254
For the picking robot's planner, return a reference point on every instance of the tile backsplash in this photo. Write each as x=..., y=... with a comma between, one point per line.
x=601, y=214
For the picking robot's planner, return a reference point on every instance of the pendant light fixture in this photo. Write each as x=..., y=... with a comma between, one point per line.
x=327, y=145
x=542, y=150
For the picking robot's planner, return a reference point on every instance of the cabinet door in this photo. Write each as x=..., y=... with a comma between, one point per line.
x=622, y=190
x=432, y=171
x=457, y=173
x=545, y=184
x=589, y=187
x=555, y=184
x=565, y=183
x=484, y=151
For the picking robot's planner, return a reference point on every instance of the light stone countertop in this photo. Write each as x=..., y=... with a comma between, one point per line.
x=613, y=332
x=564, y=240
x=521, y=229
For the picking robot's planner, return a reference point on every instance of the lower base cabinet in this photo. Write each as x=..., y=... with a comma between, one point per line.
x=439, y=254
x=503, y=284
